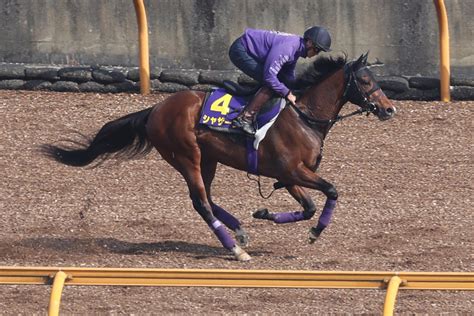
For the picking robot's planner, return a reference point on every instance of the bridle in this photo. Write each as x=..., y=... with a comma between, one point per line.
x=351, y=86
x=363, y=96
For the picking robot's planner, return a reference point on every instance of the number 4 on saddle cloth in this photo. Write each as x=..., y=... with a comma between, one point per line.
x=220, y=108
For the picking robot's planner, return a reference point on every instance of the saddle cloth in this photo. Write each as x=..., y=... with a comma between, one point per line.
x=220, y=108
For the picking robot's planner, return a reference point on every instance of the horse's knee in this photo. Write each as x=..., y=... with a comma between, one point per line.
x=309, y=209
x=197, y=202
x=202, y=208
x=331, y=192
x=307, y=214
x=327, y=188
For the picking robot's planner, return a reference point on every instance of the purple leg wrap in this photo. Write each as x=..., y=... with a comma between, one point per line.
x=291, y=217
x=221, y=233
x=326, y=214
x=222, y=215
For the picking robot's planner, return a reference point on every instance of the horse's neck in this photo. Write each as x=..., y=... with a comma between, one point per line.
x=324, y=101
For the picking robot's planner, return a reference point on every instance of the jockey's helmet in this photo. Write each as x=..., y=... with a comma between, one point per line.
x=320, y=37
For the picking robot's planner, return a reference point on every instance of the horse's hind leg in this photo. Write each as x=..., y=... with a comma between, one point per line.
x=189, y=166
x=208, y=171
x=300, y=195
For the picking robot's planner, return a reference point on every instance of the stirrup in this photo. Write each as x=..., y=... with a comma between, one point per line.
x=244, y=125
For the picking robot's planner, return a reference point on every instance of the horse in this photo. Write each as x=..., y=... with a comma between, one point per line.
x=290, y=153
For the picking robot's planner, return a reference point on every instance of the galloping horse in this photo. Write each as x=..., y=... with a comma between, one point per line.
x=290, y=153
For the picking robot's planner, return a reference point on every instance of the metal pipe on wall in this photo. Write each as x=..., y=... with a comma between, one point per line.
x=444, y=65
x=143, y=43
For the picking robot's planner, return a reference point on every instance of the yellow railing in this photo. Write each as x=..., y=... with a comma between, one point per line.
x=391, y=281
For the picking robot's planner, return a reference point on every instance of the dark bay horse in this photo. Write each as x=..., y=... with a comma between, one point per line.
x=290, y=153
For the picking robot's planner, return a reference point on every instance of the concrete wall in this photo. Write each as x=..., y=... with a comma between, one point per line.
x=197, y=33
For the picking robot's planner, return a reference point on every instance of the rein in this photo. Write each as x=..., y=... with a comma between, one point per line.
x=315, y=122
x=365, y=107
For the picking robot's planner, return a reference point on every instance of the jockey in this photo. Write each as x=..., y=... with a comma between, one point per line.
x=270, y=58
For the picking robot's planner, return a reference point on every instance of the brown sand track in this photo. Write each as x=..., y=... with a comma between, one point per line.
x=405, y=204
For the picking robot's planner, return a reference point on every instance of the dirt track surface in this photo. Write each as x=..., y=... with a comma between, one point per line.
x=406, y=204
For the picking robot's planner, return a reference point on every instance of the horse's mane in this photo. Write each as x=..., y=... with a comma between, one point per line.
x=319, y=69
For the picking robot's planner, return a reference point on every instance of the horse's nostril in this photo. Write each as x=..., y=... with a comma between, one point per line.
x=390, y=111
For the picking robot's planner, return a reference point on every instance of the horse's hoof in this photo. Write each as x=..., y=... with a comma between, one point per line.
x=261, y=213
x=313, y=235
x=240, y=254
x=312, y=239
x=242, y=237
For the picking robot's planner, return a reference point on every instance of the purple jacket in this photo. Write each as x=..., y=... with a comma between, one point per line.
x=278, y=52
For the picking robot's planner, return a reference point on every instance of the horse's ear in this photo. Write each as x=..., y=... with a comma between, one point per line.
x=359, y=61
x=364, y=58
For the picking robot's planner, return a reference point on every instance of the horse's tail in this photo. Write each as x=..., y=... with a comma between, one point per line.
x=122, y=138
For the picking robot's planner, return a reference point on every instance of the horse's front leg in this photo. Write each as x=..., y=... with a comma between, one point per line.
x=306, y=178
x=303, y=198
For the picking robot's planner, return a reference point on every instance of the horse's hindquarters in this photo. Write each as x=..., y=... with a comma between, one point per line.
x=172, y=122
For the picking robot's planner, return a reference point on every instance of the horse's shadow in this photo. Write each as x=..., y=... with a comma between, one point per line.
x=92, y=246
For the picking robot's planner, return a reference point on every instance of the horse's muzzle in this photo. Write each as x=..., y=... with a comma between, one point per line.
x=385, y=113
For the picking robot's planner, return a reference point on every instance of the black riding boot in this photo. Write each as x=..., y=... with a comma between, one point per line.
x=245, y=120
